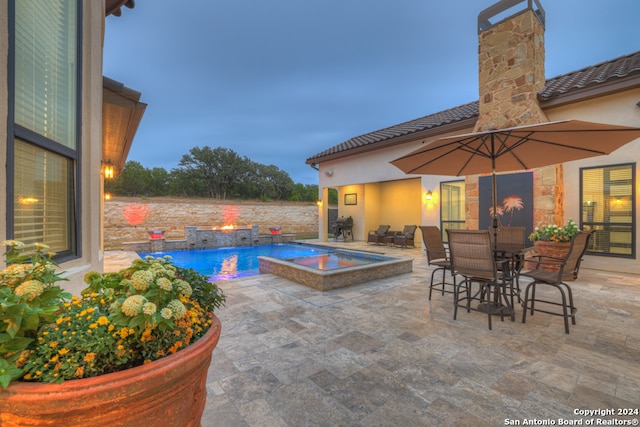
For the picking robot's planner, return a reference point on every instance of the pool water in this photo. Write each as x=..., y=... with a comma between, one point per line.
x=332, y=261
x=234, y=262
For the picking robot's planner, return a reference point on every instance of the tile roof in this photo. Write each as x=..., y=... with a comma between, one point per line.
x=605, y=72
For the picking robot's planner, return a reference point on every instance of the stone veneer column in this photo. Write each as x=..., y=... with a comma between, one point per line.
x=511, y=74
x=190, y=235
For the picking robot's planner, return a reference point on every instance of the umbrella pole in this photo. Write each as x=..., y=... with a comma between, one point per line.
x=494, y=195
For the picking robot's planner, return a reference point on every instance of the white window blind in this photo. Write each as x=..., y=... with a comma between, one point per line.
x=45, y=68
x=42, y=200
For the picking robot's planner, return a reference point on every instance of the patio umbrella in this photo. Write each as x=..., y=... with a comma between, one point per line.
x=517, y=148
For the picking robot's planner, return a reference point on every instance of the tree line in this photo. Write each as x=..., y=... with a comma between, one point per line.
x=218, y=173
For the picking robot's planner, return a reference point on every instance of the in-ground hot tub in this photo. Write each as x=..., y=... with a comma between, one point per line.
x=337, y=269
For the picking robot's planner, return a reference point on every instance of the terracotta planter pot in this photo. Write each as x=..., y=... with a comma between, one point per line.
x=553, y=249
x=167, y=392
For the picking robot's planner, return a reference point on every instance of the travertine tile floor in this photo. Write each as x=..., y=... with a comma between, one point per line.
x=382, y=354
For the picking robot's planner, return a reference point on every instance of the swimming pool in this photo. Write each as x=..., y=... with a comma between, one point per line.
x=234, y=262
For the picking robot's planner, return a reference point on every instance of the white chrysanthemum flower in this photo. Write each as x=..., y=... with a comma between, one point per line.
x=164, y=284
x=132, y=306
x=177, y=308
x=149, y=308
x=141, y=280
x=183, y=287
x=166, y=313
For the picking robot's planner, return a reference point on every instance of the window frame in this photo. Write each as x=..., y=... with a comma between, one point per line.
x=442, y=227
x=633, y=215
x=16, y=131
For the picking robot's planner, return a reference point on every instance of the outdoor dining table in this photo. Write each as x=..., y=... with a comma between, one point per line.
x=513, y=259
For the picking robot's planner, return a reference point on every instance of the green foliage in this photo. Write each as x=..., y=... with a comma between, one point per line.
x=29, y=299
x=333, y=197
x=218, y=170
x=208, y=294
x=553, y=233
x=124, y=319
x=211, y=172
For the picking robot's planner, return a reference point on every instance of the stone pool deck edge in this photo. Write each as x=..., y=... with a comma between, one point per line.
x=325, y=280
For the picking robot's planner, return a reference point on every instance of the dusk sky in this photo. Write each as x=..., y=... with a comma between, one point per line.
x=281, y=80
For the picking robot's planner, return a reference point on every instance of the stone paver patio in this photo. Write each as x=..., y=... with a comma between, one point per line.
x=382, y=354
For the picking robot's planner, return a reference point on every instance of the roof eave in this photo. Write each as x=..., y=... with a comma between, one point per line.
x=595, y=91
x=426, y=133
x=114, y=7
x=121, y=115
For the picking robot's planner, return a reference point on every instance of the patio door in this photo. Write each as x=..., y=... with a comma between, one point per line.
x=452, y=207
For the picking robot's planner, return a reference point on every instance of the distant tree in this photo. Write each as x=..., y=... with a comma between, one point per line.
x=333, y=196
x=217, y=170
x=134, y=180
x=159, y=182
x=205, y=172
x=304, y=193
x=271, y=182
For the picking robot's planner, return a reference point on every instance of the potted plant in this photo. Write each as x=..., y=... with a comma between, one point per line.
x=553, y=241
x=134, y=348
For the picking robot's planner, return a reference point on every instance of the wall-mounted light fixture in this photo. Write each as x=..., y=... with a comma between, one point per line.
x=107, y=170
x=328, y=172
x=319, y=202
x=107, y=196
x=428, y=196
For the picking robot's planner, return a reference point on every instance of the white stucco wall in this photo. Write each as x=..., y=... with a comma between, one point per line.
x=618, y=109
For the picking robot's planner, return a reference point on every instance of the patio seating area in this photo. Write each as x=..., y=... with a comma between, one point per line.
x=382, y=354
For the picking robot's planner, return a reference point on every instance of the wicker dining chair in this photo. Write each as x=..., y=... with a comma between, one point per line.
x=472, y=257
x=554, y=278
x=438, y=257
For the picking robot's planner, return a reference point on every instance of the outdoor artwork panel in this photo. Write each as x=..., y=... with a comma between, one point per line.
x=514, y=204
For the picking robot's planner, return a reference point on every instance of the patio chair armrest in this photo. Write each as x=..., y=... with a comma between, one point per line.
x=552, y=259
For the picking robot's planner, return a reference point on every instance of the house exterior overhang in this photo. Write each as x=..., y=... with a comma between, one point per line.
x=121, y=116
x=114, y=7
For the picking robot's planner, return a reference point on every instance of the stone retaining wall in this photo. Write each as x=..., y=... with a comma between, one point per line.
x=128, y=220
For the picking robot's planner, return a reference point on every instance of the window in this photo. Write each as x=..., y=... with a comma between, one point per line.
x=43, y=150
x=608, y=207
x=452, y=207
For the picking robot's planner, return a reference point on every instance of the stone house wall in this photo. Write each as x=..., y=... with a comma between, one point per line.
x=129, y=220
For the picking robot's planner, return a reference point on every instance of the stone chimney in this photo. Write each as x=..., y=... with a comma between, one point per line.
x=511, y=64
x=511, y=74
